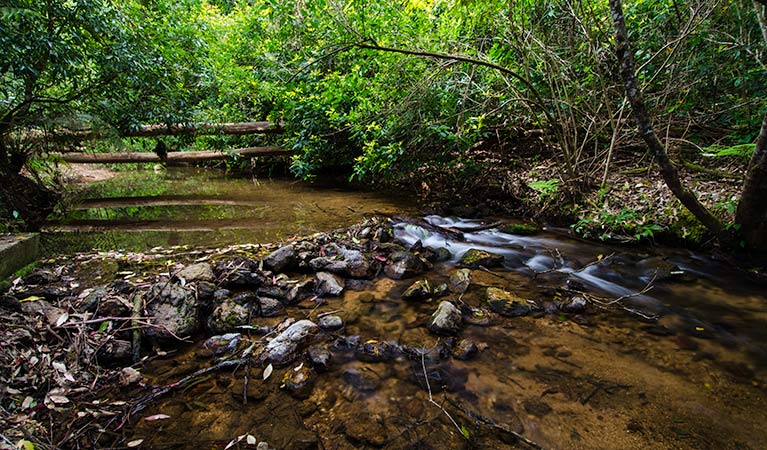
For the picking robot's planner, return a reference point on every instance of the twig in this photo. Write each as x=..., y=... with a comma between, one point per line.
x=485, y=421
x=431, y=399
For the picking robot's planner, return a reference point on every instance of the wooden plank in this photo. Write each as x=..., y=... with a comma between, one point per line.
x=146, y=157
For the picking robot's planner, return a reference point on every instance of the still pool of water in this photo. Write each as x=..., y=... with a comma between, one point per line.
x=139, y=210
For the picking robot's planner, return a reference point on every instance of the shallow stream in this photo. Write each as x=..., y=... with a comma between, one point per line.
x=607, y=378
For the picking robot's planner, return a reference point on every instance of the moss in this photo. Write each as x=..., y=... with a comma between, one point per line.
x=522, y=229
x=475, y=258
x=26, y=270
x=689, y=228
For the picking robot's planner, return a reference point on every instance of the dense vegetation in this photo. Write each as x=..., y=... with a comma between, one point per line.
x=440, y=96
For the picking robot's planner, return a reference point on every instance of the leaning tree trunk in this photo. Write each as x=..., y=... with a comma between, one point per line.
x=752, y=209
x=644, y=124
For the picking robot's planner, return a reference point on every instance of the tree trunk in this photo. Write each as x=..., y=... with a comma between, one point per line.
x=752, y=209
x=644, y=124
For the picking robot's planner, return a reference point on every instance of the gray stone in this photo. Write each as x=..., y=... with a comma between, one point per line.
x=92, y=301
x=328, y=263
x=330, y=323
x=441, y=290
x=506, y=303
x=474, y=258
x=465, y=350
x=221, y=294
x=320, y=357
x=223, y=344
x=228, y=316
x=173, y=309
x=329, y=284
x=285, y=347
x=281, y=259
x=361, y=380
x=459, y=281
x=16, y=251
x=404, y=265
x=420, y=290
x=205, y=290
x=576, y=305
x=270, y=307
x=446, y=320
x=300, y=291
x=197, y=272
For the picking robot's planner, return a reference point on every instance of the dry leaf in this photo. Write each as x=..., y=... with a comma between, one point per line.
x=156, y=417
x=251, y=440
x=62, y=318
x=268, y=371
x=135, y=443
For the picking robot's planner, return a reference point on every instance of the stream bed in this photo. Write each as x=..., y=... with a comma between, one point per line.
x=668, y=348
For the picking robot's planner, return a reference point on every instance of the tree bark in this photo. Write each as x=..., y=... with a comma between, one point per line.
x=752, y=208
x=644, y=125
x=146, y=157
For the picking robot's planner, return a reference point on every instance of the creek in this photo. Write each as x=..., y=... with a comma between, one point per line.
x=694, y=376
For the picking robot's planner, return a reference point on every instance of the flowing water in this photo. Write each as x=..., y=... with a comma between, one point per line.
x=695, y=378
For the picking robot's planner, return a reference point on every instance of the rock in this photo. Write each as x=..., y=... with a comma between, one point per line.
x=659, y=268
x=114, y=351
x=366, y=431
x=474, y=258
x=300, y=290
x=270, y=307
x=404, y=265
x=459, y=281
x=441, y=254
x=246, y=298
x=40, y=276
x=420, y=290
x=299, y=381
x=281, y=259
x=521, y=229
x=42, y=307
x=330, y=323
x=506, y=303
x=221, y=294
x=446, y=320
x=576, y=305
x=223, y=344
x=205, y=290
x=228, y=316
x=441, y=290
x=327, y=263
x=197, y=272
x=375, y=351
x=243, y=278
x=329, y=284
x=477, y=316
x=91, y=302
x=285, y=347
x=320, y=357
x=361, y=380
x=123, y=287
x=465, y=350
x=357, y=265
x=129, y=376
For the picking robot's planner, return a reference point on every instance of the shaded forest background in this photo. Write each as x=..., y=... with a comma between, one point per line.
x=521, y=102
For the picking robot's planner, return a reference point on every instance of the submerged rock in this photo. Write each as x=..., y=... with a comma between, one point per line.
x=521, y=229
x=459, y=281
x=281, y=259
x=173, y=310
x=474, y=258
x=270, y=307
x=361, y=380
x=506, y=304
x=465, y=350
x=222, y=344
x=446, y=320
x=329, y=284
x=320, y=357
x=285, y=347
x=330, y=323
x=299, y=381
x=404, y=265
x=375, y=351
x=197, y=272
x=576, y=305
x=420, y=290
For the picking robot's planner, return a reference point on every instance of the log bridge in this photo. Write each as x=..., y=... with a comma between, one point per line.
x=237, y=129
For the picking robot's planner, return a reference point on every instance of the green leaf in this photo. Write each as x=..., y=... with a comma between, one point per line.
x=465, y=432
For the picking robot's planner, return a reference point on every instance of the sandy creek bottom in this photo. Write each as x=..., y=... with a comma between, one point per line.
x=604, y=380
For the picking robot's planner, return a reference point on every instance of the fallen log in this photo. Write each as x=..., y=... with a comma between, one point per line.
x=189, y=157
x=237, y=129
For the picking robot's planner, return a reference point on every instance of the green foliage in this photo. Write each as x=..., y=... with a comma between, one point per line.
x=606, y=224
x=547, y=189
x=718, y=151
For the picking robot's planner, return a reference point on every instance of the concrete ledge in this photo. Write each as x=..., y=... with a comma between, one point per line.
x=16, y=251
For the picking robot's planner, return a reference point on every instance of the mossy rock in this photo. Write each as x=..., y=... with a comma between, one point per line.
x=521, y=229
x=506, y=304
x=475, y=258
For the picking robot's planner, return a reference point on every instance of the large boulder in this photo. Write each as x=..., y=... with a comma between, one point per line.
x=474, y=258
x=173, y=311
x=197, y=272
x=281, y=259
x=506, y=304
x=404, y=265
x=446, y=320
x=287, y=345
